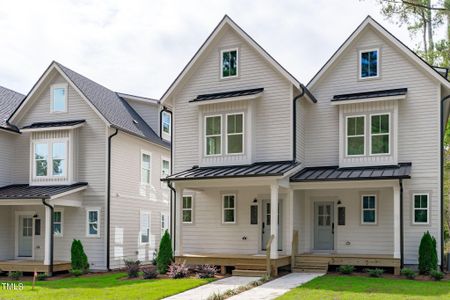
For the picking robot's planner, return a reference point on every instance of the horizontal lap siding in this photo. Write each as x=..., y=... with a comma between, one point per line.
x=418, y=118
x=6, y=233
x=6, y=158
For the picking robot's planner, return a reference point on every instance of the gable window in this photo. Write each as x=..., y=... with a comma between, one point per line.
x=145, y=167
x=145, y=227
x=229, y=208
x=379, y=134
x=213, y=135
x=59, y=98
x=58, y=223
x=166, y=122
x=57, y=150
x=355, y=139
x=235, y=133
x=369, y=63
x=421, y=209
x=164, y=222
x=369, y=209
x=92, y=222
x=229, y=63
x=187, y=209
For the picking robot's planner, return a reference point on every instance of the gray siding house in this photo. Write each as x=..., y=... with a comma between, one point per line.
x=79, y=161
x=344, y=170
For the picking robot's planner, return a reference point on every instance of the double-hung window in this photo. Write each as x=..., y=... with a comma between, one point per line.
x=369, y=64
x=188, y=205
x=229, y=208
x=235, y=133
x=379, y=134
x=145, y=227
x=165, y=170
x=93, y=222
x=213, y=135
x=369, y=209
x=50, y=159
x=58, y=98
x=58, y=223
x=229, y=63
x=145, y=167
x=164, y=222
x=421, y=209
x=355, y=139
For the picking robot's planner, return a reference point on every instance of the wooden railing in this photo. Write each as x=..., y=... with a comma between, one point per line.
x=268, y=262
x=294, y=249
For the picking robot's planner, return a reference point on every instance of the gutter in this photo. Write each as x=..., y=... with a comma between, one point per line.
x=294, y=122
x=51, y=234
x=402, y=250
x=108, y=203
x=442, y=132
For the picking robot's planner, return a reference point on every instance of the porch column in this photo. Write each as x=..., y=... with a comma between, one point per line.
x=396, y=210
x=48, y=236
x=179, y=221
x=274, y=220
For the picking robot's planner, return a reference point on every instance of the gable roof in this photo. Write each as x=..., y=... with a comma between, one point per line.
x=9, y=101
x=224, y=22
x=370, y=22
x=112, y=108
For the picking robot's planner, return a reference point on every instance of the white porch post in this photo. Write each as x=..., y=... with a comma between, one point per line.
x=48, y=235
x=179, y=221
x=396, y=216
x=274, y=220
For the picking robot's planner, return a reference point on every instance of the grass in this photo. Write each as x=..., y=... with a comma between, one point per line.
x=108, y=286
x=355, y=287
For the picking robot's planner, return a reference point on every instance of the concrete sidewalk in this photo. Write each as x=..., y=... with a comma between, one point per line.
x=277, y=287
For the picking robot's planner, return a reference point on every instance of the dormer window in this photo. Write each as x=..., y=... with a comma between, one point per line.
x=58, y=98
x=369, y=64
x=229, y=63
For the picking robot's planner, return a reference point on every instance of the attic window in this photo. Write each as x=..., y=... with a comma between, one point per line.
x=229, y=63
x=58, y=96
x=369, y=64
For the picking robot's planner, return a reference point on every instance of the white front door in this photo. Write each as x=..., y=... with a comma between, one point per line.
x=266, y=224
x=25, y=236
x=323, y=226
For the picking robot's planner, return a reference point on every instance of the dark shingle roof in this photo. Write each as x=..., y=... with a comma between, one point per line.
x=9, y=101
x=113, y=108
x=25, y=191
x=371, y=94
x=334, y=173
x=54, y=124
x=229, y=94
x=275, y=168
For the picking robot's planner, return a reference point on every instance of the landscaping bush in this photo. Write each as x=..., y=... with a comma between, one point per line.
x=150, y=272
x=155, y=255
x=375, y=272
x=165, y=255
x=427, y=254
x=346, y=269
x=76, y=272
x=133, y=267
x=41, y=277
x=436, y=275
x=408, y=273
x=177, y=271
x=15, y=275
x=78, y=257
x=206, y=271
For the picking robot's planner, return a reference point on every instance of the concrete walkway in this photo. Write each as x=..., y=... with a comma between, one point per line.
x=277, y=287
x=219, y=286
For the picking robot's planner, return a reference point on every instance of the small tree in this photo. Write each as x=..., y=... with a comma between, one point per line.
x=165, y=255
x=78, y=257
x=427, y=254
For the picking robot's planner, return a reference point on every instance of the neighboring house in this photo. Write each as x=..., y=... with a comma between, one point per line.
x=84, y=162
x=343, y=171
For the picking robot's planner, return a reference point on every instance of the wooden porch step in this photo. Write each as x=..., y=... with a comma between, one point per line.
x=308, y=270
x=248, y=273
x=258, y=267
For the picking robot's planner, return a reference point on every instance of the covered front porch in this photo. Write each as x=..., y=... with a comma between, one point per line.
x=30, y=266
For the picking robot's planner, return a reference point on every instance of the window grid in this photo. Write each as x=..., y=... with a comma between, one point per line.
x=229, y=208
x=369, y=63
x=378, y=132
x=355, y=134
x=50, y=158
x=58, y=223
x=213, y=135
x=421, y=208
x=187, y=210
x=93, y=222
x=235, y=133
x=145, y=228
x=229, y=63
x=369, y=209
x=146, y=160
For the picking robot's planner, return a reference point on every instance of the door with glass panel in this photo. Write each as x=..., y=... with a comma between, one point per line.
x=323, y=226
x=266, y=224
x=25, y=236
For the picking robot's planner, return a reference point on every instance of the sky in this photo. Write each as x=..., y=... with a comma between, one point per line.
x=140, y=46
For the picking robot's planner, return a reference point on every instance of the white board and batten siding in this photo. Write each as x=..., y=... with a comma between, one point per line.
x=418, y=124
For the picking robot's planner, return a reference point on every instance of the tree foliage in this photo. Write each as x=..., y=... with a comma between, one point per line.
x=165, y=255
x=78, y=257
x=428, y=259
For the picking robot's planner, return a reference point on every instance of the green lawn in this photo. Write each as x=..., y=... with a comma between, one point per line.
x=109, y=286
x=353, y=287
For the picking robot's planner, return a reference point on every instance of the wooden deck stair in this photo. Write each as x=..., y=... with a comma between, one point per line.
x=311, y=264
x=256, y=270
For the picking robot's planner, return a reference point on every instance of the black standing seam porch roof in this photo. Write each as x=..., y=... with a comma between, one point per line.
x=229, y=94
x=334, y=173
x=275, y=168
x=25, y=191
x=54, y=124
x=371, y=94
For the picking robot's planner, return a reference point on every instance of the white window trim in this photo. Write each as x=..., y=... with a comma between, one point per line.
x=360, y=65
x=414, y=209
x=234, y=208
x=191, y=209
x=221, y=63
x=213, y=135
x=49, y=143
x=98, y=210
x=162, y=123
x=363, y=209
x=142, y=166
x=346, y=136
x=141, y=213
x=228, y=134
x=60, y=210
x=379, y=134
x=166, y=222
x=66, y=102
x=164, y=184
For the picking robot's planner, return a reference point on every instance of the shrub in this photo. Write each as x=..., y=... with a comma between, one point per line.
x=375, y=272
x=15, y=275
x=165, y=255
x=178, y=271
x=408, y=273
x=436, y=275
x=427, y=254
x=346, y=269
x=132, y=267
x=41, y=277
x=206, y=271
x=150, y=272
x=155, y=255
x=76, y=272
x=78, y=257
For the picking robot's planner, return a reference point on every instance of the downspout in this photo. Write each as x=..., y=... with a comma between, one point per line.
x=51, y=234
x=294, y=122
x=173, y=223
x=108, y=203
x=402, y=262
x=442, y=132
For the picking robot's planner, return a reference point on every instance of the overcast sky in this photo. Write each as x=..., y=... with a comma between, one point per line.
x=140, y=46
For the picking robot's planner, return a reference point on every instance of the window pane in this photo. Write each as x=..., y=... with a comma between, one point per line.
x=59, y=150
x=420, y=216
x=213, y=125
x=93, y=229
x=233, y=63
x=235, y=143
x=58, y=167
x=166, y=122
x=228, y=202
x=229, y=63
x=146, y=161
x=380, y=124
x=368, y=202
x=41, y=168
x=187, y=202
x=213, y=145
x=424, y=201
x=187, y=216
x=57, y=228
x=369, y=64
x=41, y=151
x=369, y=216
x=380, y=144
x=234, y=124
x=145, y=237
x=228, y=215
x=355, y=145
x=93, y=216
x=320, y=220
x=145, y=176
x=57, y=216
x=364, y=64
x=59, y=102
x=355, y=126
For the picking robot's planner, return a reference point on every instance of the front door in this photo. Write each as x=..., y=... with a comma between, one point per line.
x=266, y=224
x=25, y=236
x=323, y=226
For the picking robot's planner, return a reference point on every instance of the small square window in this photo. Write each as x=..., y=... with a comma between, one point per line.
x=369, y=64
x=229, y=63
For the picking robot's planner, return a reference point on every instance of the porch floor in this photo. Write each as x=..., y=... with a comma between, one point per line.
x=23, y=265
